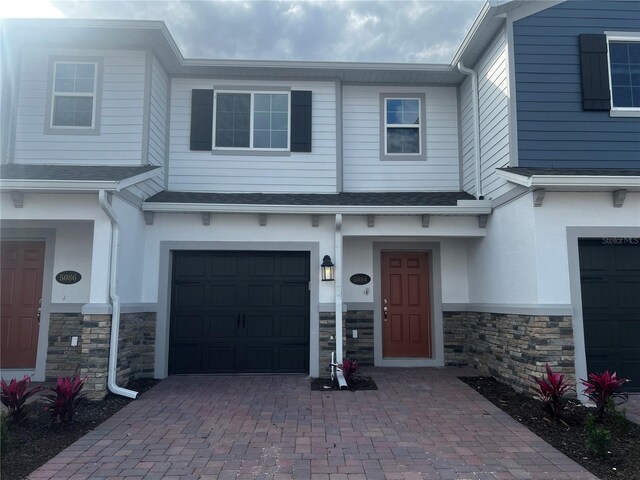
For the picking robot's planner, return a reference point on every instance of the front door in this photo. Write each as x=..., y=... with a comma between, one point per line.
x=406, y=306
x=20, y=293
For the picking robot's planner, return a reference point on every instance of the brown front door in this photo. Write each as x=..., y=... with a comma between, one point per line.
x=20, y=292
x=406, y=308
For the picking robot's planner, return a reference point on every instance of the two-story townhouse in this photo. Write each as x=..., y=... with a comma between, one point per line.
x=254, y=217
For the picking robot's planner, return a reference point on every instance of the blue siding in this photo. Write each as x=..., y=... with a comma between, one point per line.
x=553, y=130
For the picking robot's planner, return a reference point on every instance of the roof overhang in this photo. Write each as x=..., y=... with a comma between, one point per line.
x=463, y=207
x=49, y=185
x=574, y=182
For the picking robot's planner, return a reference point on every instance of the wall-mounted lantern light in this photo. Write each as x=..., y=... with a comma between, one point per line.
x=328, y=269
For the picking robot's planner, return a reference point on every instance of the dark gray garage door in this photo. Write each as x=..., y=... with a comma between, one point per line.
x=239, y=312
x=610, y=278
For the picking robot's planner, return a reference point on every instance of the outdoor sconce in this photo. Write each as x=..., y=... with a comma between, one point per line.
x=328, y=269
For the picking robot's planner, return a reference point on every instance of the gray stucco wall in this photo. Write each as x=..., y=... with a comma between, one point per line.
x=553, y=130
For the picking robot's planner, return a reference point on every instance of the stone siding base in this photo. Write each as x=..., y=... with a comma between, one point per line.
x=90, y=358
x=361, y=348
x=513, y=348
x=63, y=359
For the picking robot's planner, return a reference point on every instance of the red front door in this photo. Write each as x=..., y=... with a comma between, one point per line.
x=20, y=293
x=406, y=310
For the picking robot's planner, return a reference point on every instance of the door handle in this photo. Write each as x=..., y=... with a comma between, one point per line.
x=39, y=310
x=244, y=320
x=386, y=312
x=238, y=321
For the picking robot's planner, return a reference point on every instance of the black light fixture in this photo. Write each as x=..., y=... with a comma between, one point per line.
x=328, y=269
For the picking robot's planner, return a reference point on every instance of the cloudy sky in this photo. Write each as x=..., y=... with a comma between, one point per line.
x=426, y=31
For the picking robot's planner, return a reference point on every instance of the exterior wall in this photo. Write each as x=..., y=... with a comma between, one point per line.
x=493, y=94
x=200, y=171
x=136, y=347
x=361, y=348
x=119, y=141
x=94, y=354
x=363, y=168
x=158, y=118
x=512, y=348
x=63, y=359
x=553, y=130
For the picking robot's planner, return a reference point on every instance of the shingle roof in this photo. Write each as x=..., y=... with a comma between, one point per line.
x=71, y=172
x=337, y=199
x=595, y=172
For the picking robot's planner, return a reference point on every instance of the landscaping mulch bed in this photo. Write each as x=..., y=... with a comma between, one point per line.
x=35, y=440
x=361, y=382
x=622, y=459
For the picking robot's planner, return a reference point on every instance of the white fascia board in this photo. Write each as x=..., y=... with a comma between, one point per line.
x=75, y=185
x=482, y=209
x=475, y=26
x=572, y=181
x=57, y=185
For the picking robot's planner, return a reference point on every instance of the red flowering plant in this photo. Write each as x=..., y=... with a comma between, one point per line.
x=65, y=398
x=602, y=388
x=14, y=396
x=551, y=390
x=349, y=369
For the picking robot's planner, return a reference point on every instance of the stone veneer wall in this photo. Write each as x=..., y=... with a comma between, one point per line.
x=63, y=359
x=91, y=357
x=136, y=346
x=94, y=356
x=327, y=340
x=512, y=348
x=361, y=348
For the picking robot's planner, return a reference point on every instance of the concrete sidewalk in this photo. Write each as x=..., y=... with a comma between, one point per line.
x=422, y=423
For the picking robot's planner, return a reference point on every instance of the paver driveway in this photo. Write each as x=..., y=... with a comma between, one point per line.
x=420, y=424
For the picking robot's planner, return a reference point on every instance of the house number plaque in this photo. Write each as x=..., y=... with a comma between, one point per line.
x=360, y=279
x=68, y=277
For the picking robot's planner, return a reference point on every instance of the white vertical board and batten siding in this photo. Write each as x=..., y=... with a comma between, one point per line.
x=202, y=171
x=363, y=168
x=493, y=93
x=119, y=140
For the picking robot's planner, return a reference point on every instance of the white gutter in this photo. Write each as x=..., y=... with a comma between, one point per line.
x=115, y=299
x=338, y=288
x=464, y=207
x=583, y=181
x=476, y=123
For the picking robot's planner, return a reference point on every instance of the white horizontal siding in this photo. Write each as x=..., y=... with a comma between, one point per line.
x=200, y=171
x=467, y=134
x=363, y=168
x=493, y=81
x=158, y=119
x=119, y=141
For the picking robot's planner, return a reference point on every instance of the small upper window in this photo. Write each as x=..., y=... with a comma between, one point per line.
x=624, y=58
x=74, y=95
x=402, y=126
x=251, y=120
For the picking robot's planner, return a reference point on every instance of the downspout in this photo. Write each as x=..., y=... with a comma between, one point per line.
x=338, y=287
x=115, y=299
x=476, y=124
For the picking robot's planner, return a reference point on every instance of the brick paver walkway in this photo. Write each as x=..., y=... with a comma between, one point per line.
x=420, y=424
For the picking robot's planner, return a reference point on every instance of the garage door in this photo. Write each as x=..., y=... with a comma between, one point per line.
x=240, y=312
x=610, y=278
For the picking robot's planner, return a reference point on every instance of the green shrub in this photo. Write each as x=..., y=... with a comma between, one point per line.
x=598, y=438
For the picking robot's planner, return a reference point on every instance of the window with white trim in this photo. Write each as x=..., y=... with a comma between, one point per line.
x=624, y=74
x=251, y=120
x=403, y=126
x=73, y=103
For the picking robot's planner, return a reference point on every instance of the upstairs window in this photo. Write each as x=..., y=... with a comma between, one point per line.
x=74, y=95
x=251, y=120
x=624, y=63
x=402, y=130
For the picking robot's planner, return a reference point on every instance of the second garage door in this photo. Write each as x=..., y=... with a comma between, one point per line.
x=239, y=312
x=610, y=277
